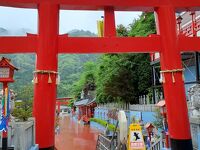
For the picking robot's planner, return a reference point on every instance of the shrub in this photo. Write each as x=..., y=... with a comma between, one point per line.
x=23, y=110
x=111, y=127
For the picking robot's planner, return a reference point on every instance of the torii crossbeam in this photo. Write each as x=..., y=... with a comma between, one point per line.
x=48, y=44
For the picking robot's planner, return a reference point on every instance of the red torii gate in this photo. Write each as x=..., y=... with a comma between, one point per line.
x=62, y=101
x=48, y=43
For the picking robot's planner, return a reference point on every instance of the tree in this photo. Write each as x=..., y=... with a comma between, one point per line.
x=71, y=103
x=159, y=119
x=143, y=26
x=87, y=79
x=122, y=30
x=23, y=110
x=123, y=77
x=25, y=93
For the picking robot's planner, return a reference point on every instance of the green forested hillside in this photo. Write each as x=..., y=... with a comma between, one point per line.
x=70, y=68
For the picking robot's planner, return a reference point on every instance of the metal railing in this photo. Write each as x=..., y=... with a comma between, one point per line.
x=103, y=143
x=157, y=145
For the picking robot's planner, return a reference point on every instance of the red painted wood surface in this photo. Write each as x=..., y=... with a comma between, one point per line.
x=139, y=5
x=109, y=44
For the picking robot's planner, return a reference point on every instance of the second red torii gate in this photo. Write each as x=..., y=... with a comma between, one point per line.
x=62, y=101
x=48, y=43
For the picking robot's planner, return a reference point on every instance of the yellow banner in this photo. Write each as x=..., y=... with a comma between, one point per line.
x=100, y=28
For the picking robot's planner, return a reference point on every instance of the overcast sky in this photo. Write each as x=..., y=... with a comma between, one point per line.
x=14, y=18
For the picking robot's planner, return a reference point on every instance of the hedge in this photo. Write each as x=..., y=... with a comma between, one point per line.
x=111, y=127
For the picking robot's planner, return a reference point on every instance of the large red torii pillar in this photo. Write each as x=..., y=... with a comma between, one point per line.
x=46, y=60
x=171, y=65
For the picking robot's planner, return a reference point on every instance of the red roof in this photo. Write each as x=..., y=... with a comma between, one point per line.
x=149, y=125
x=161, y=103
x=8, y=61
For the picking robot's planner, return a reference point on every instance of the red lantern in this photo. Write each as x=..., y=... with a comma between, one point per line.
x=161, y=105
x=149, y=127
x=6, y=70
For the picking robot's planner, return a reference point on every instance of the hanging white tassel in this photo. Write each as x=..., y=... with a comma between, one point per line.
x=162, y=77
x=36, y=79
x=183, y=77
x=173, y=78
x=49, y=79
x=57, y=79
x=33, y=80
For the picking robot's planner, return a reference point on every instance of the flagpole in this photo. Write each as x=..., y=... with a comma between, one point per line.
x=5, y=133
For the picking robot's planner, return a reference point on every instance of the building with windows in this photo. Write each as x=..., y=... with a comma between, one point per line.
x=188, y=24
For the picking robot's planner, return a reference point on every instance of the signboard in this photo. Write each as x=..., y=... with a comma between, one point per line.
x=135, y=141
x=4, y=72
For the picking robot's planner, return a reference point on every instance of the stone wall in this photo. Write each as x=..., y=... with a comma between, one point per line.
x=194, y=113
x=21, y=135
x=195, y=130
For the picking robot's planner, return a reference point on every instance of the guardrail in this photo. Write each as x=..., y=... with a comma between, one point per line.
x=157, y=145
x=103, y=143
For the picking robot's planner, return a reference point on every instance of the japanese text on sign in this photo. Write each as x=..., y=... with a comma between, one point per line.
x=4, y=72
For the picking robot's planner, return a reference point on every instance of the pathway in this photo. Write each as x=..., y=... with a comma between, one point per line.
x=75, y=136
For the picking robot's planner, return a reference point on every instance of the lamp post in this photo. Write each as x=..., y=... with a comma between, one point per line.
x=149, y=127
x=163, y=111
x=6, y=76
x=179, y=20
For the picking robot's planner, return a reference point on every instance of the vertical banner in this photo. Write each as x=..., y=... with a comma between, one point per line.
x=100, y=28
x=5, y=110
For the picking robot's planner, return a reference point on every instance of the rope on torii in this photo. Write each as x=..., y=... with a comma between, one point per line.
x=162, y=72
x=49, y=72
